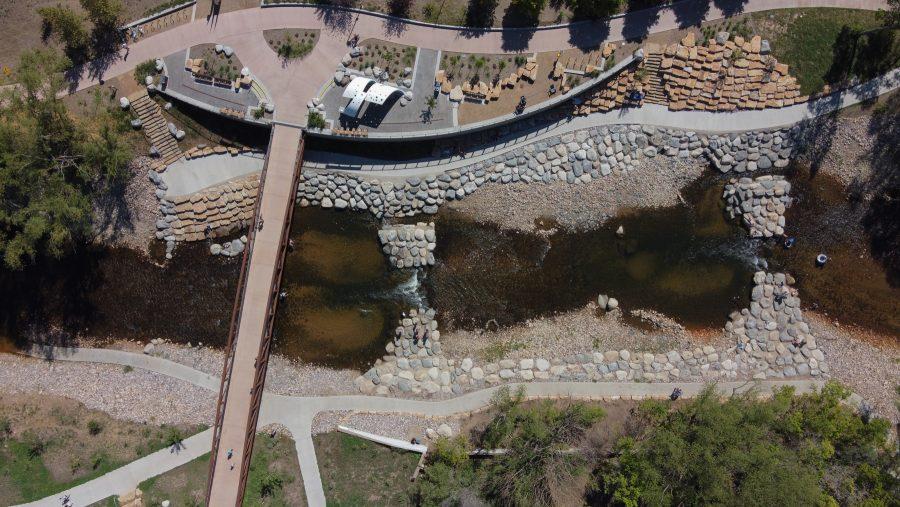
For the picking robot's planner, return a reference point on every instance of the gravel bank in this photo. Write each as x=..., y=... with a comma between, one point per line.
x=127, y=217
x=865, y=362
x=653, y=183
x=135, y=395
x=576, y=332
x=403, y=427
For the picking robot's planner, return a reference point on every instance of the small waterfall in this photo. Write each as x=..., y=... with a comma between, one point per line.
x=409, y=290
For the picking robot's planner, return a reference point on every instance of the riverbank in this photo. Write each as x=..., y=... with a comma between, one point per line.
x=654, y=183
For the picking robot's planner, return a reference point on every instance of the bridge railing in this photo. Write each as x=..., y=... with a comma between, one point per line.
x=233, y=330
x=262, y=357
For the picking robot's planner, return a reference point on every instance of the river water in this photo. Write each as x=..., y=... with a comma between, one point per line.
x=343, y=299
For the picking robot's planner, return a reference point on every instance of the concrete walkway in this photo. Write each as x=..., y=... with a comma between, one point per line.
x=649, y=114
x=297, y=413
x=293, y=84
x=189, y=176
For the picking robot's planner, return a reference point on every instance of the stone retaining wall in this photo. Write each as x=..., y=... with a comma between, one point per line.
x=214, y=211
x=771, y=341
x=576, y=158
x=760, y=203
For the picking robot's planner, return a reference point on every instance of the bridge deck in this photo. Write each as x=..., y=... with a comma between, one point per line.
x=274, y=208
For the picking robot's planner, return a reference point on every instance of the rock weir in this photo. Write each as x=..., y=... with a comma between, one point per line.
x=760, y=203
x=409, y=246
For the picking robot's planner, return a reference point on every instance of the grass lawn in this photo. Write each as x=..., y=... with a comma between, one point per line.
x=274, y=478
x=49, y=444
x=812, y=43
x=359, y=472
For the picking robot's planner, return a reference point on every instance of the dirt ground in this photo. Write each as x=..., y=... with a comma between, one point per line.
x=65, y=442
x=20, y=25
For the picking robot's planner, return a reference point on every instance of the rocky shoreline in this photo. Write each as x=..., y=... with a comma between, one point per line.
x=770, y=340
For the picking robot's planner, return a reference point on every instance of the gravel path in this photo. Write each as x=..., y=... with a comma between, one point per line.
x=653, y=183
x=136, y=395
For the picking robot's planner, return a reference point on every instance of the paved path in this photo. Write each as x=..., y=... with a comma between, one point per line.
x=297, y=413
x=276, y=194
x=292, y=85
x=188, y=176
x=649, y=114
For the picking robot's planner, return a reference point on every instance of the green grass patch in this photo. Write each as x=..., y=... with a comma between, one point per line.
x=359, y=472
x=819, y=44
x=143, y=70
x=274, y=478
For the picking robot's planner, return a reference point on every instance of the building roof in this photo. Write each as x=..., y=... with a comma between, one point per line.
x=357, y=85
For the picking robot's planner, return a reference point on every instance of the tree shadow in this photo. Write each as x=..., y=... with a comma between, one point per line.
x=690, y=13
x=730, y=7
x=335, y=19
x=480, y=13
x=639, y=17
x=814, y=137
x=588, y=35
x=395, y=25
x=520, y=28
x=880, y=221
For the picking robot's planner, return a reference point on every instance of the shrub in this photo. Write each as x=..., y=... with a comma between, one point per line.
x=173, y=437
x=270, y=483
x=94, y=427
x=67, y=25
x=143, y=70
x=316, y=120
x=5, y=427
x=35, y=445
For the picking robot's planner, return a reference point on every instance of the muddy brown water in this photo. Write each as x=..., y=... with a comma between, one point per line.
x=343, y=300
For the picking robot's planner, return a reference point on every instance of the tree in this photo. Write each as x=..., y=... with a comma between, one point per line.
x=594, y=9
x=785, y=451
x=541, y=461
x=105, y=14
x=399, y=8
x=51, y=165
x=530, y=10
x=67, y=26
x=891, y=16
x=480, y=13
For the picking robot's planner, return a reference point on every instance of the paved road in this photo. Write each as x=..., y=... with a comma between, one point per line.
x=292, y=85
x=297, y=413
x=276, y=194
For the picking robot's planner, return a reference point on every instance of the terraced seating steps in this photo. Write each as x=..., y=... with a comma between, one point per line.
x=156, y=129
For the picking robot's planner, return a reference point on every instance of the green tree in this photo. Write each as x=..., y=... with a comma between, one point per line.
x=785, y=451
x=66, y=25
x=594, y=9
x=105, y=14
x=529, y=10
x=542, y=460
x=51, y=165
x=448, y=471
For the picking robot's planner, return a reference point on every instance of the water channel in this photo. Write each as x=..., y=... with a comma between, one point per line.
x=343, y=299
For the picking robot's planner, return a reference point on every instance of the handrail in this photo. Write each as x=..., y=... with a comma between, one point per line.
x=262, y=357
x=233, y=330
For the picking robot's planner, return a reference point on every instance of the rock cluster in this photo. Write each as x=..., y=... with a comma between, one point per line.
x=773, y=339
x=750, y=151
x=220, y=209
x=760, y=203
x=231, y=248
x=408, y=245
x=202, y=150
x=725, y=75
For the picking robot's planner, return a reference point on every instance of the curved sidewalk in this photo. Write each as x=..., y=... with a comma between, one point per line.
x=297, y=413
x=649, y=114
x=293, y=84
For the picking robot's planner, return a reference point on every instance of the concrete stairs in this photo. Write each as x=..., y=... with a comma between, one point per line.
x=155, y=127
x=654, y=93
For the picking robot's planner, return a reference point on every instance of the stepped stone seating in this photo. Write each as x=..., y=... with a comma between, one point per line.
x=227, y=205
x=482, y=90
x=725, y=77
x=156, y=130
